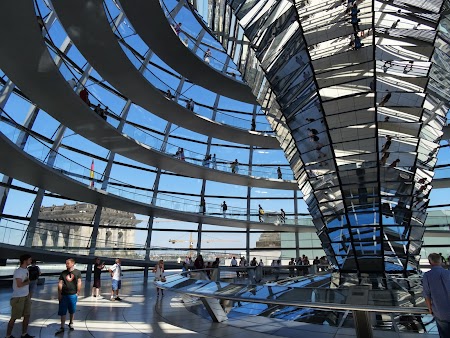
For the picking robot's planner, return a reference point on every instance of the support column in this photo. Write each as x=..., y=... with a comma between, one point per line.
x=156, y=187
x=40, y=194
x=21, y=141
x=5, y=93
x=177, y=8
x=249, y=189
x=297, y=239
x=363, y=326
x=202, y=192
x=214, y=309
x=359, y=295
x=107, y=173
x=51, y=160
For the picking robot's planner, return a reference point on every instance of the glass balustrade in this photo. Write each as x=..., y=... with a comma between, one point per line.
x=189, y=38
x=195, y=158
x=86, y=176
x=156, y=81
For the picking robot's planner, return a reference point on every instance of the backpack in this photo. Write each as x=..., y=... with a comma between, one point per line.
x=33, y=272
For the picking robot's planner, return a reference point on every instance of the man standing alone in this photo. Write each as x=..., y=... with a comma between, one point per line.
x=224, y=208
x=20, y=299
x=436, y=290
x=116, y=283
x=69, y=287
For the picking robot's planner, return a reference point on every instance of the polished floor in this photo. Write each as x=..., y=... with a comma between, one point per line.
x=142, y=314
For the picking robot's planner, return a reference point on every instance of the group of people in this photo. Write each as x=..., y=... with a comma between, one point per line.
x=353, y=11
x=180, y=154
x=436, y=287
x=243, y=263
x=315, y=139
x=224, y=207
x=206, y=56
x=299, y=264
x=25, y=279
x=84, y=96
x=116, y=278
x=385, y=152
x=210, y=161
x=200, y=264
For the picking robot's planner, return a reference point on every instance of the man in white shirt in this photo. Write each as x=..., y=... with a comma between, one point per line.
x=20, y=299
x=116, y=275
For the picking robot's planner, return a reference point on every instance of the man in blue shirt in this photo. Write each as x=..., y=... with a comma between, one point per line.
x=436, y=290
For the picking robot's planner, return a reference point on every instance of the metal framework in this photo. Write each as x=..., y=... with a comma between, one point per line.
x=357, y=94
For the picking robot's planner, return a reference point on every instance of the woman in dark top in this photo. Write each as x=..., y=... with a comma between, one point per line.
x=199, y=263
x=98, y=267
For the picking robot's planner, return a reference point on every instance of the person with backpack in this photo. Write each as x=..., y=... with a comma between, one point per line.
x=34, y=272
x=260, y=213
x=224, y=208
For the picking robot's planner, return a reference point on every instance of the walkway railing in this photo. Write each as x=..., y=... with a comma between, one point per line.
x=189, y=41
x=145, y=137
x=360, y=300
x=155, y=80
x=93, y=179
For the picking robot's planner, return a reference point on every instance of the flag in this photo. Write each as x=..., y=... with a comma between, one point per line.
x=91, y=174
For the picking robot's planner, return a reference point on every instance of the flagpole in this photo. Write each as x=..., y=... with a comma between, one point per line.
x=91, y=174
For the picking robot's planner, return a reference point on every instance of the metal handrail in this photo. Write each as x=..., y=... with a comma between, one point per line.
x=307, y=304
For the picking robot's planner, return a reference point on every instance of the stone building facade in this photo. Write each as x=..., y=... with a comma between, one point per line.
x=269, y=240
x=59, y=236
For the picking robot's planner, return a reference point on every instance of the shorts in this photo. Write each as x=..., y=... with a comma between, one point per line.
x=97, y=283
x=116, y=284
x=67, y=302
x=20, y=307
x=33, y=284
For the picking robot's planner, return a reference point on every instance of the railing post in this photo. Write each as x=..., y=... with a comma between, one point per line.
x=214, y=309
x=359, y=295
x=363, y=325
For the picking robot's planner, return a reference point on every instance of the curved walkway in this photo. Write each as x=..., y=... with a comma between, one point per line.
x=90, y=31
x=8, y=251
x=161, y=38
x=28, y=63
x=30, y=170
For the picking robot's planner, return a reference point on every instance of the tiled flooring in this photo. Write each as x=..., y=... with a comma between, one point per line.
x=142, y=314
